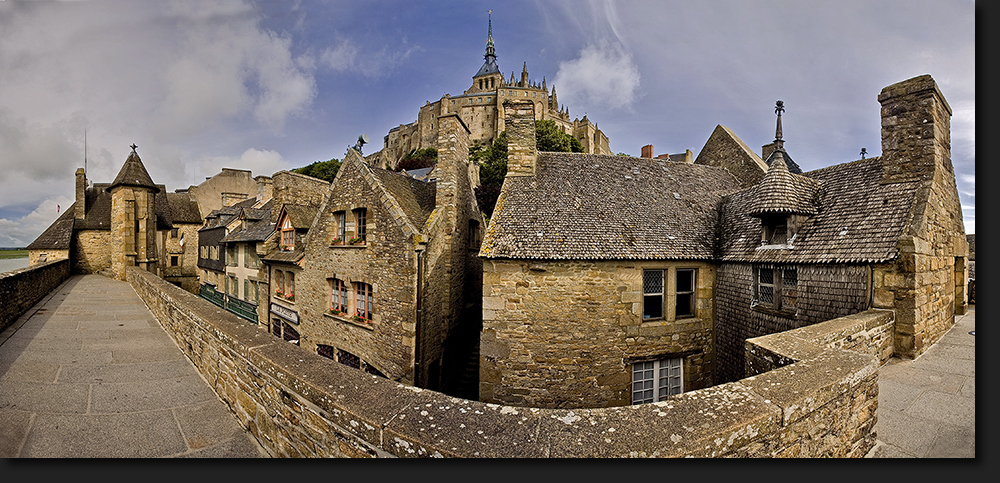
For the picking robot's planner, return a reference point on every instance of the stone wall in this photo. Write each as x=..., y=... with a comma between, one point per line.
x=91, y=252
x=724, y=149
x=926, y=286
x=297, y=403
x=824, y=292
x=565, y=333
x=22, y=288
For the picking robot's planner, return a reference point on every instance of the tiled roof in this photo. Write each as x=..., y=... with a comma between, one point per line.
x=59, y=235
x=133, y=173
x=183, y=209
x=98, y=215
x=285, y=256
x=783, y=192
x=164, y=220
x=585, y=206
x=301, y=216
x=791, y=165
x=258, y=224
x=415, y=197
x=860, y=220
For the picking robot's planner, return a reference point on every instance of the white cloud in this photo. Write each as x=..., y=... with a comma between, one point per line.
x=21, y=232
x=603, y=73
x=259, y=162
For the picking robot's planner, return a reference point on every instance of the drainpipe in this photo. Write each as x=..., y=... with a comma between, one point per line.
x=871, y=285
x=418, y=324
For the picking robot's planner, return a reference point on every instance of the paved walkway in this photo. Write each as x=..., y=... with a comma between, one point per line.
x=927, y=406
x=88, y=372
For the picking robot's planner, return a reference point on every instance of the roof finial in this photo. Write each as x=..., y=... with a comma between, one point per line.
x=133, y=146
x=863, y=153
x=779, y=143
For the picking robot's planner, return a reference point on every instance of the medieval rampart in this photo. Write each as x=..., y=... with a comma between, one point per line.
x=23, y=288
x=819, y=399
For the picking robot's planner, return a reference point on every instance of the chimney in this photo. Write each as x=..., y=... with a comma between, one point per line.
x=81, y=194
x=522, y=152
x=264, y=188
x=916, y=130
x=453, y=157
x=647, y=151
x=767, y=149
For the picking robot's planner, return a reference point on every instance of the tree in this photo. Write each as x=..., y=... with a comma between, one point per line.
x=549, y=137
x=324, y=170
x=417, y=159
x=492, y=161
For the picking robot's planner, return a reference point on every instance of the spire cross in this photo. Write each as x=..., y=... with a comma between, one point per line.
x=133, y=146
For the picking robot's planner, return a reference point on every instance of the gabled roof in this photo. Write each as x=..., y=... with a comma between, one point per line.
x=59, y=235
x=414, y=197
x=783, y=192
x=585, y=206
x=301, y=216
x=133, y=173
x=258, y=223
x=859, y=220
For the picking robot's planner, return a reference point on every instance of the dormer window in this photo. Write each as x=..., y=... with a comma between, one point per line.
x=287, y=235
x=774, y=230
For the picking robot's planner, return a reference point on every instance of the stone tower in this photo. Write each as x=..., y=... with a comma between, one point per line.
x=133, y=218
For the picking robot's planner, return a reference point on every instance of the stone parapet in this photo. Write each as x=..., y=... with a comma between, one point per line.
x=300, y=404
x=21, y=289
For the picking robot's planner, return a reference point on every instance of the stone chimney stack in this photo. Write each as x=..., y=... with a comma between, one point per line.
x=522, y=152
x=647, y=151
x=453, y=158
x=916, y=130
x=81, y=194
x=264, y=188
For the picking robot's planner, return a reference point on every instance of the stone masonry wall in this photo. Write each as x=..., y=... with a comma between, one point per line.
x=386, y=262
x=91, y=251
x=824, y=292
x=926, y=286
x=725, y=150
x=297, y=403
x=22, y=288
x=564, y=334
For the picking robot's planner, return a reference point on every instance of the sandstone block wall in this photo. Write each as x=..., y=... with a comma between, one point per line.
x=91, y=252
x=297, y=403
x=564, y=334
x=725, y=150
x=22, y=288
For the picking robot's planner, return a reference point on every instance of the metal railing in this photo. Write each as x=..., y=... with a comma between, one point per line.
x=240, y=308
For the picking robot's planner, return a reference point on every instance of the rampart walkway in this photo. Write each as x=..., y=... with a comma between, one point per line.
x=88, y=372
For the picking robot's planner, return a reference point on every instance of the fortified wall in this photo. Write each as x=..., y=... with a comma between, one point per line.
x=817, y=398
x=23, y=288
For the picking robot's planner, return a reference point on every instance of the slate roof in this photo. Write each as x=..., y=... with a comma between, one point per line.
x=301, y=216
x=98, y=215
x=258, y=223
x=183, y=209
x=285, y=256
x=59, y=235
x=783, y=192
x=792, y=166
x=416, y=198
x=585, y=206
x=860, y=220
x=133, y=173
x=164, y=220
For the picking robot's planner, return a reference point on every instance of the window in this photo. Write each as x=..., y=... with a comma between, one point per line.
x=776, y=288
x=363, y=300
x=325, y=351
x=173, y=233
x=473, y=235
x=203, y=252
x=233, y=287
x=341, y=219
x=215, y=253
x=348, y=359
x=652, y=294
x=250, y=258
x=279, y=283
x=360, y=224
x=174, y=261
x=254, y=293
x=290, y=334
x=287, y=235
x=656, y=380
x=686, y=283
x=231, y=255
x=338, y=296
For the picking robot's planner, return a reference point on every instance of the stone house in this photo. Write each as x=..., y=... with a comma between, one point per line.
x=609, y=280
x=481, y=109
x=389, y=279
x=282, y=264
x=131, y=221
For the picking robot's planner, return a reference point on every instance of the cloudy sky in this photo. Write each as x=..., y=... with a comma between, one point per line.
x=277, y=84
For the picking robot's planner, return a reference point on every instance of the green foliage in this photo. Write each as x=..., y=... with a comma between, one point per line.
x=492, y=161
x=548, y=137
x=324, y=170
x=417, y=159
x=623, y=154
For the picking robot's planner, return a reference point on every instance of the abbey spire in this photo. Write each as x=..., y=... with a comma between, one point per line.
x=490, y=66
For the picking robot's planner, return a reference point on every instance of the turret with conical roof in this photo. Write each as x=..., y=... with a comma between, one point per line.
x=133, y=218
x=133, y=173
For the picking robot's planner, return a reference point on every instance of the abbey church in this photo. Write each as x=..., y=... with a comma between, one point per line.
x=481, y=109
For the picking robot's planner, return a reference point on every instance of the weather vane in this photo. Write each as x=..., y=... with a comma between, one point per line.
x=863, y=153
